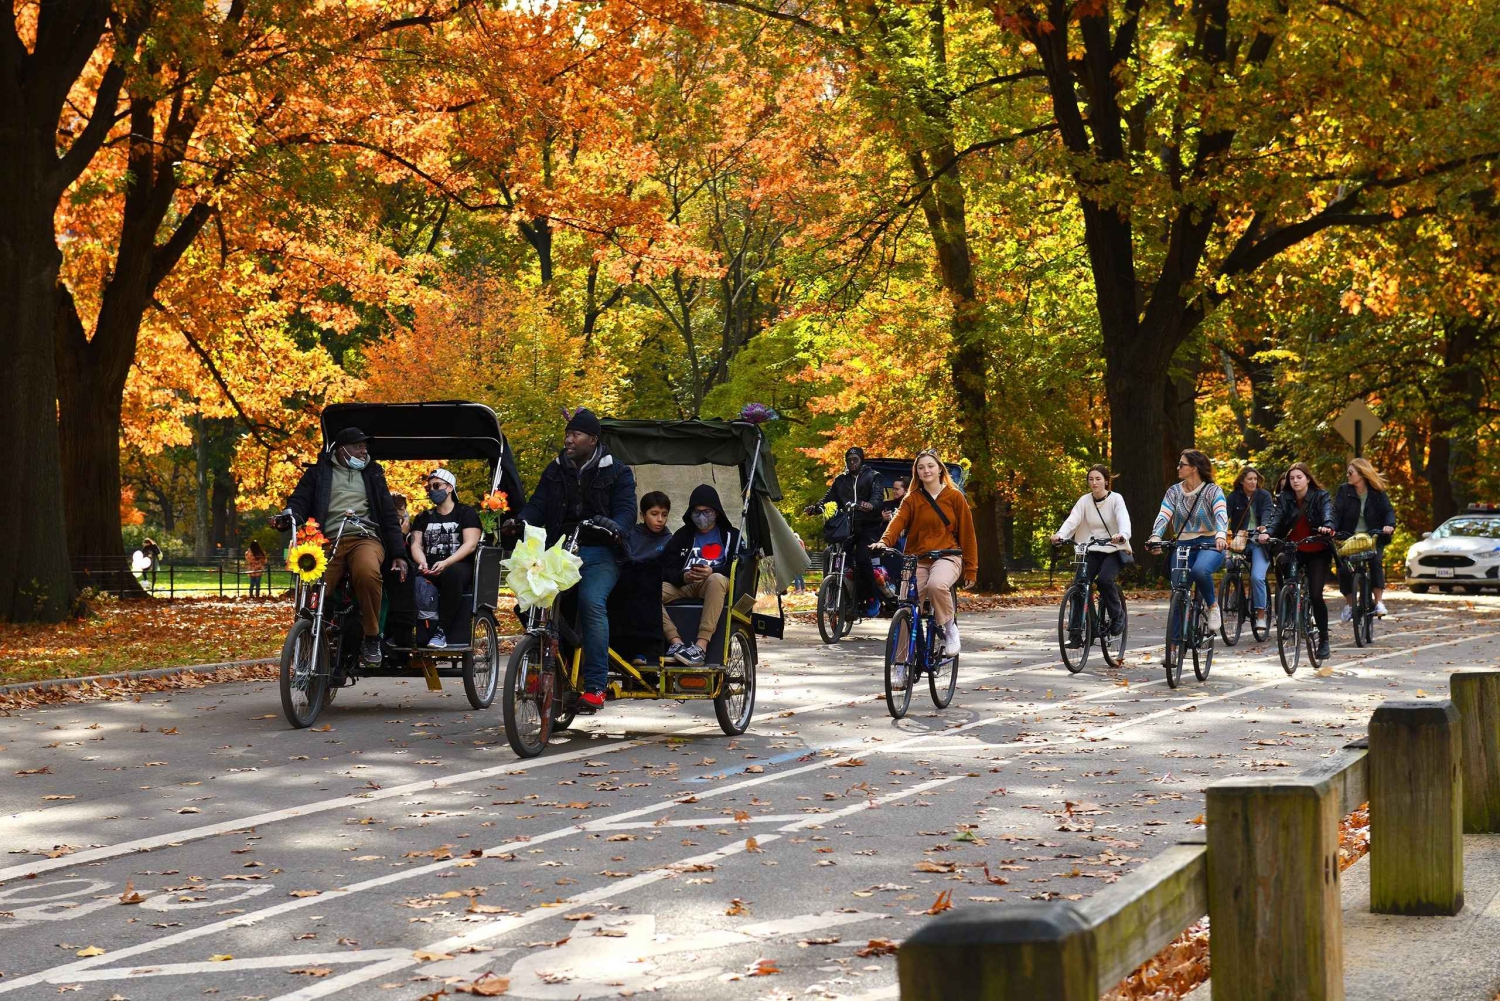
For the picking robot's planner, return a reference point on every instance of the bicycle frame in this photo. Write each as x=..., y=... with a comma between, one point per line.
x=316, y=593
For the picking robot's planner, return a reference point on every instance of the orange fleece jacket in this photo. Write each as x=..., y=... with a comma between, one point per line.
x=925, y=530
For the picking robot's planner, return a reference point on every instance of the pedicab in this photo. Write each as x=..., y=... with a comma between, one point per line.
x=321, y=653
x=543, y=678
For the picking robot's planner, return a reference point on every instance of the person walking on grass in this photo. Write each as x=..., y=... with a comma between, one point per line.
x=255, y=566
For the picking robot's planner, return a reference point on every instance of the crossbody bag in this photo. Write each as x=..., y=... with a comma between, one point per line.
x=1126, y=556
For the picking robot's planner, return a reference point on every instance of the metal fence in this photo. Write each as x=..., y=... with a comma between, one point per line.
x=219, y=576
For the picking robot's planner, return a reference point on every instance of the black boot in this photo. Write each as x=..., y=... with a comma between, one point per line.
x=1323, y=653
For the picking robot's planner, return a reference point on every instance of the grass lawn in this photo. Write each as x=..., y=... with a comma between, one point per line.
x=134, y=635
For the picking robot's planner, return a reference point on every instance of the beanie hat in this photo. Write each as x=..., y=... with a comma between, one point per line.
x=583, y=420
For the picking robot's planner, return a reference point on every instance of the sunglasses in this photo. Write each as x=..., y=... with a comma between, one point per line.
x=1181, y=464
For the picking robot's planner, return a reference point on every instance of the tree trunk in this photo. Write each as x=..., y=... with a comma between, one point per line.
x=1139, y=424
x=1265, y=399
x=1451, y=447
x=1180, y=409
x=223, y=512
x=35, y=578
x=200, y=488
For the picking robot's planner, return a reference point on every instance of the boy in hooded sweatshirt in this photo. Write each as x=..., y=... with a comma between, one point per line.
x=695, y=565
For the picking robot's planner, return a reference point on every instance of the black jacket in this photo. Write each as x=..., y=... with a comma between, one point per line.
x=675, y=556
x=1378, y=510
x=1238, y=504
x=1316, y=505
x=566, y=495
x=867, y=485
x=310, y=499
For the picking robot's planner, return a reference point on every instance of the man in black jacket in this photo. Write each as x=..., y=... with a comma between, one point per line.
x=585, y=483
x=344, y=485
x=864, y=489
x=696, y=564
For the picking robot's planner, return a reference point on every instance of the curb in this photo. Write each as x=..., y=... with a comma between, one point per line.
x=156, y=672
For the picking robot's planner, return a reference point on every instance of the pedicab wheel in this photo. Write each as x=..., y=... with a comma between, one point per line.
x=304, y=685
x=1231, y=609
x=1203, y=650
x=831, y=609
x=530, y=697
x=1176, y=645
x=735, y=703
x=1114, y=646
x=898, y=652
x=482, y=662
x=942, y=695
x=1072, y=608
x=1286, y=629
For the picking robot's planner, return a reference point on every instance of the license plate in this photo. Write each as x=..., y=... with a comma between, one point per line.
x=1445, y=571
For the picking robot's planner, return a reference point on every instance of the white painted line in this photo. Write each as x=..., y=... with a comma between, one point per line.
x=249, y=963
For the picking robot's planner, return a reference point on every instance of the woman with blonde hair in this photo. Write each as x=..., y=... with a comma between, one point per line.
x=1363, y=505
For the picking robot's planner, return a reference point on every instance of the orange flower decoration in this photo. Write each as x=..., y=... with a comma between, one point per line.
x=311, y=532
x=496, y=501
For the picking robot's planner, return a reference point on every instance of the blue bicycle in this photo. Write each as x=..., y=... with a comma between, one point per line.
x=1187, y=618
x=914, y=645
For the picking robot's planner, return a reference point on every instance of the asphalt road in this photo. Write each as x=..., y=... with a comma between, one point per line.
x=193, y=845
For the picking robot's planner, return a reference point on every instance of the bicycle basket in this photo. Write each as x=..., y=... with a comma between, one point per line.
x=837, y=528
x=1181, y=564
x=1356, y=544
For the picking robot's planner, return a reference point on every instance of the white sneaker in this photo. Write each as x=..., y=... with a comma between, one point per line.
x=1380, y=609
x=898, y=676
x=1346, y=614
x=1215, y=618
x=951, y=644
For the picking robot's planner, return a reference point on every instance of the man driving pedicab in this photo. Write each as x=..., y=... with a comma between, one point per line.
x=345, y=481
x=585, y=484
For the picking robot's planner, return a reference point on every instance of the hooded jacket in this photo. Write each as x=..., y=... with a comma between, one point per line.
x=568, y=493
x=674, y=558
x=856, y=488
x=310, y=499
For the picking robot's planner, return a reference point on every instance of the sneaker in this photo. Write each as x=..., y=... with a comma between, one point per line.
x=675, y=652
x=1075, y=640
x=1347, y=614
x=898, y=676
x=1380, y=609
x=590, y=703
x=951, y=645
x=369, y=650
x=1323, y=653
x=438, y=641
x=1215, y=617
x=692, y=655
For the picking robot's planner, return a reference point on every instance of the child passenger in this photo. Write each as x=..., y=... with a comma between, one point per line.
x=645, y=541
x=635, y=603
x=696, y=565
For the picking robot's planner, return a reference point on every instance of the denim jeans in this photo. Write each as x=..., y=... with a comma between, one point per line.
x=599, y=573
x=1260, y=561
x=1205, y=561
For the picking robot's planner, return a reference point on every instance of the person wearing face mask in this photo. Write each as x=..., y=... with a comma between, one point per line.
x=695, y=565
x=862, y=490
x=346, y=486
x=443, y=541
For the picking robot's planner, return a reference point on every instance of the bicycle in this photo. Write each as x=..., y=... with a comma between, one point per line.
x=1359, y=563
x=1234, y=599
x=1294, y=624
x=307, y=668
x=1187, y=619
x=1080, y=617
x=839, y=606
x=915, y=642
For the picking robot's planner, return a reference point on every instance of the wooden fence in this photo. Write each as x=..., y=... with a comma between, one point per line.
x=1266, y=873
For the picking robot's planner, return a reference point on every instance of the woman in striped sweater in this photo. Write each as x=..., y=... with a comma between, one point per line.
x=1195, y=508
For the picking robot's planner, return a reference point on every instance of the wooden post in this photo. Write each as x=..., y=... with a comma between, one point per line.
x=1006, y=953
x=1416, y=809
x=1273, y=890
x=1476, y=695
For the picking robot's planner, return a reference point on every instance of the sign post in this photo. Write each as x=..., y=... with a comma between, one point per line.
x=1357, y=424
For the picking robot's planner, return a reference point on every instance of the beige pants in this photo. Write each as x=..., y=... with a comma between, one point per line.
x=935, y=580
x=711, y=591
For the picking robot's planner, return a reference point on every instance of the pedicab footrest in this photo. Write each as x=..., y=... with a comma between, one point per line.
x=690, y=682
x=432, y=651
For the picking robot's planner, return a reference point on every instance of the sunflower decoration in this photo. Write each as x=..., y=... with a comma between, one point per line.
x=491, y=509
x=307, y=561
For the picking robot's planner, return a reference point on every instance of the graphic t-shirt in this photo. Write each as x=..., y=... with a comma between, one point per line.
x=442, y=534
x=708, y=550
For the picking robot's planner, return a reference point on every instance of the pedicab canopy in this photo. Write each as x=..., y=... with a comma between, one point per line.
x=437, y=431
x=676, y=456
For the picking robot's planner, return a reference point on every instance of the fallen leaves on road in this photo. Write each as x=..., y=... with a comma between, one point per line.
x=737, y=908
x=312, y=971
x=427, y=956
x=92, y=950
x=130, y=896
x=944, y=902
x=876, y=947
x=222, y=957
x=305, y=893
x=490, y=985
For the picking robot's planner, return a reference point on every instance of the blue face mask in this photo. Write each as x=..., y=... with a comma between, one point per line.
x=353, y=462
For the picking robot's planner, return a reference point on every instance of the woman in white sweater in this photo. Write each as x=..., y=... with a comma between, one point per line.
x=1101, y=514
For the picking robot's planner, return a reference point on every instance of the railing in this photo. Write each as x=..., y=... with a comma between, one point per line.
x=224, y=576
x=1266, y=874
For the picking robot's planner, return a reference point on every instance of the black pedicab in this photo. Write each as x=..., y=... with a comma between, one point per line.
x=543, y=679
x=321, y=652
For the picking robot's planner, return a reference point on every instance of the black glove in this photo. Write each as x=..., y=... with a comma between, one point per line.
x=610, y=526
x=282, y=522
x=511, y=526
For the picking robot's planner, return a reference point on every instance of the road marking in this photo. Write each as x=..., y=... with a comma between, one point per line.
x=235, y=965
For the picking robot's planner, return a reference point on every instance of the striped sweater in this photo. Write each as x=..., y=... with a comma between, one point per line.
x=1210, y=517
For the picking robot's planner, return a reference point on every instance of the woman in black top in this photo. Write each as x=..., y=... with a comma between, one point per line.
x=1251, y=507
x=1362, y=505
x=443, y=540
x=1304, y=515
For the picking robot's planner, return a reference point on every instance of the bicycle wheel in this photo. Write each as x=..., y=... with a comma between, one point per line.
x=899, y=659
x=1310, y=633
x=850, y=613
x=304, y=685
x=1364, y=612
x=1288, y=620
x=1176, y=647
x=1260, y=632
x=1231, y=608
x=1072, y=609
x=1203, y=643
x=530, y=696
x=1114, y=646
x=942, y=693
x=831, y=608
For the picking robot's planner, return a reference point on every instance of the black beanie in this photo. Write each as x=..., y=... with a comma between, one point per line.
x=855, y=450
x=583, y=419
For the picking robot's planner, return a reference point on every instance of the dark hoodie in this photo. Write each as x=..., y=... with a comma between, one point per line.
x=680, y=550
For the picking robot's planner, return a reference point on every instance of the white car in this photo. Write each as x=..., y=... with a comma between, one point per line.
x=1464, y=550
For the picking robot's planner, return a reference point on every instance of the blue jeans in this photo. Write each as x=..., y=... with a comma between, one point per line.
x=1204, y=562
x=1260, y=561
x=599, y=573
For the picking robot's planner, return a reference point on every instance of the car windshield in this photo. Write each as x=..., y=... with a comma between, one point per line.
x=1479, y=528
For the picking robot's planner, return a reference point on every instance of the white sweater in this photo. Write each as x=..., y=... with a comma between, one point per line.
x=1084, y=522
